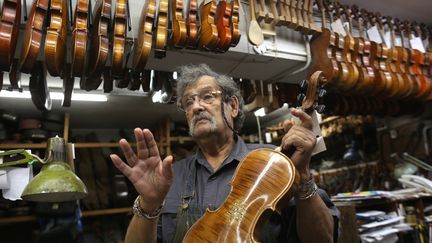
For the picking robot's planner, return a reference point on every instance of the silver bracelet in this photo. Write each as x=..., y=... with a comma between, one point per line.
x=306, y=190
x=137, y=210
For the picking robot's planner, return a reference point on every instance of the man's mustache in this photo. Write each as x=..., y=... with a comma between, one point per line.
x=200, y=116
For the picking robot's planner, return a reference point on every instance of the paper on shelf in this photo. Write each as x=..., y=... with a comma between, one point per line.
x=18, y=179
x=4, y=182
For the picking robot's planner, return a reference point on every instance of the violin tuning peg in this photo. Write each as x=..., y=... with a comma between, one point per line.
x=304, y=85
x=320, y=108
x=322, y=93
x=300, y=98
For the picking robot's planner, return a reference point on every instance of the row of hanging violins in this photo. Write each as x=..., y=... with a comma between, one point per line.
x=294, y=14
x=99, y=40
x=363, y=63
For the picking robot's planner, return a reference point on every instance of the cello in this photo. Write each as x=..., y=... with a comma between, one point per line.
x=9, y=29
x=254, y=190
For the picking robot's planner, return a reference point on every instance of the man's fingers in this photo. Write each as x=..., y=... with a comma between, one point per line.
x=142, y=149
x=122, y=166
x=167, y=166
x=128, y=152
x=306, y=120
x=151, y=143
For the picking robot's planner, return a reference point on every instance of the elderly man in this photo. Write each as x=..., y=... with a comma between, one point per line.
x=172, y=196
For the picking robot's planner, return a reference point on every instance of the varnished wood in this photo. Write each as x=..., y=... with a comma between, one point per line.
x=179, y=29
x=79, y=38
x=208, y=30
x=9, y=29
x=223, y=13
x=56, y=38
x=143, y=44
x=192, y=24
x=254, y=190
x=99, y=45
x=33, y=33
x=161, y=30
x=119, y=38
x=234, y=23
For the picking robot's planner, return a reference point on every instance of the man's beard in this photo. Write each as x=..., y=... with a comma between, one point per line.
x=202, y=115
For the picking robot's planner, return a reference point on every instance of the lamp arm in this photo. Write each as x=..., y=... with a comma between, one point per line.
x=28, y=158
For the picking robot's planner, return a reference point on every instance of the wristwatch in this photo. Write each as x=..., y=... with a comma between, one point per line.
x=137, y=210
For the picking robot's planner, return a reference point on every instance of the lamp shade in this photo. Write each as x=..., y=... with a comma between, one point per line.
x=55, y=182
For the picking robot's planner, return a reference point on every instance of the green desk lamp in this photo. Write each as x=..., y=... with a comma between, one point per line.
x=55, y=182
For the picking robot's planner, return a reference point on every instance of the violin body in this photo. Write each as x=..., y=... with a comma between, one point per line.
x=56, y=37
x=234, y=23
x=33, y=34
x=208, y=30
x=144, y=40
x=99, y=45
x=192, y=24
x=119, y=38
x=255, y=191
x=79, y=38
x=161, y=30
x=179, y=30
x=223, y=13
x=9, y=29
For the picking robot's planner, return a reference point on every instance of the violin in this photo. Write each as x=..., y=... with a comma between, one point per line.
x=346, y=45
x=99, y=45
x=33, y=33
x=322, y=46
x=208, y=31
x=79, y=38
x=223, y=13
x=416, y=59
x=361, y=55
x=161, y=29
x=119, y=38
x=234, y=23
x=9, y=29
x=378, y=58
x=179, y=30
x=407, y=84
x=56, y=37
x=143, y=44
x=192, y=24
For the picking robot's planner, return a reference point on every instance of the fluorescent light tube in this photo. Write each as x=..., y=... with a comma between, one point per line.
x=56, y=96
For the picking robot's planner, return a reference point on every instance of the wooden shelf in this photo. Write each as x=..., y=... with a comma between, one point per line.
x=43, y=145
x=23, y=146
x=84, y=214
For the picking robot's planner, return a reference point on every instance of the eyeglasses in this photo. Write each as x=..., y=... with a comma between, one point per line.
x=205, y=96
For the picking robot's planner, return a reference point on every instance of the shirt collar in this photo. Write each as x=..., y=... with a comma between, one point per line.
x=238, y=152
